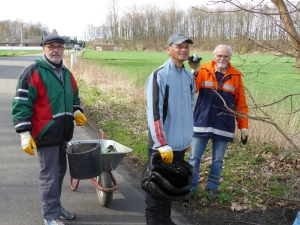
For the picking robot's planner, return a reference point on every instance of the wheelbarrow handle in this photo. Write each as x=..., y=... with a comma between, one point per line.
x=74, y=187
x=102, y=134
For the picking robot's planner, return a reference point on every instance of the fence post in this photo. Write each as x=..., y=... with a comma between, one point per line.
x=73, y=61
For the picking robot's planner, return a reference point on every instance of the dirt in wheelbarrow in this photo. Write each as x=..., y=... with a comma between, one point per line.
x=214, y=214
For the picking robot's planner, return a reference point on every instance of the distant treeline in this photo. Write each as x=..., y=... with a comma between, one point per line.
x=148, y=27
x=18, y=28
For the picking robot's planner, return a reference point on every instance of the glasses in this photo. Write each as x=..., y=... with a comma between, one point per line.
x=222, y=56
x=58, y=47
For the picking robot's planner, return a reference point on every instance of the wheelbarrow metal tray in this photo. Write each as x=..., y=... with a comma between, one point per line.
x=110, y=160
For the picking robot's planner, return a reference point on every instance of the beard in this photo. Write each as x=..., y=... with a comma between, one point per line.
x=222, y=65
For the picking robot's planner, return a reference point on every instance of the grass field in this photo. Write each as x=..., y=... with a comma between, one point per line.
x=268, y=78
x=137, y=65
x=18, y=52
x=263, y=74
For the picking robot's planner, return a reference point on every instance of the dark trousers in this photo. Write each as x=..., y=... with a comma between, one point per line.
x=155, y=204
x=53, y=166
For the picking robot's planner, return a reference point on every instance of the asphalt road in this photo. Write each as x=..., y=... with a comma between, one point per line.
x=19, y=191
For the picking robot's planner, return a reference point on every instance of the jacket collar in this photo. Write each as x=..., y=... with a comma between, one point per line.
x=211, y=66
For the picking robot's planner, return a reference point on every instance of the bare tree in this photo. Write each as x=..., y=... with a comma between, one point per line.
x=112, y=19
x=277, y=30
x=54, y=31
x=289, y=27
x=90, y=32
x=277, y=24
x=130, y=20
x=17, y=30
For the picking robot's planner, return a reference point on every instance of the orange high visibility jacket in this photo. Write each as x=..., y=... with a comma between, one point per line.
x=211, y=118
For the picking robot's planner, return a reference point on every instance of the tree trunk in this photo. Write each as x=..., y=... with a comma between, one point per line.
x=290, y=28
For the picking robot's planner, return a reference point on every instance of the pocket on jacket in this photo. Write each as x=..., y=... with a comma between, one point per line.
x=53, y=135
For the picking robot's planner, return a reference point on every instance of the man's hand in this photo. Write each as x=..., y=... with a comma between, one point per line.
x=194, y=62
x=28, y=143
x=79, y=118
x=244, y=135
x=166, y=153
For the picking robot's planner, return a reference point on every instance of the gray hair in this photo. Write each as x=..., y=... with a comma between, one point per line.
x=226, y=46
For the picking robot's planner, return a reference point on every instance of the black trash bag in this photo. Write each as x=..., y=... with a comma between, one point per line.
x=168, y=181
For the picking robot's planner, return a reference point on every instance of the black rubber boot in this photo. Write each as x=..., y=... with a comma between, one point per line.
x=152, y=218
x=165, y=214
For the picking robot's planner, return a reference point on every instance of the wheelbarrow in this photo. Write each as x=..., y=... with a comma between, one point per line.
x=99, y=165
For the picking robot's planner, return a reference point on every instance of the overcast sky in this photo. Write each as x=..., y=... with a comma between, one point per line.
x=70, y=17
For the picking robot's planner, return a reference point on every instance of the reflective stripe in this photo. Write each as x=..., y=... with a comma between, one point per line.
x=22, y=90
x=228, y=87
x=62, y=114
x=59, y=114
x=20, y=98
x=207, y=83
x=214, y=131
x=22, y=124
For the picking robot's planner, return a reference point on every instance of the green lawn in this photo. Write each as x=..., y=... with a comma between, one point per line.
x=18, y=52
x=134, y=64
x=263, y=74
x=269, y=75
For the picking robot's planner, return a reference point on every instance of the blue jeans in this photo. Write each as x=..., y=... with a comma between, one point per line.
x=218, y=151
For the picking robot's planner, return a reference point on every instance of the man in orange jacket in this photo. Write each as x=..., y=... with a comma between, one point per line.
x=218, y=83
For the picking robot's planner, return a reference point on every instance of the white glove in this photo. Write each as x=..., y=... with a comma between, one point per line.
x=166, y=153
x=27, y=142
x=244, y=135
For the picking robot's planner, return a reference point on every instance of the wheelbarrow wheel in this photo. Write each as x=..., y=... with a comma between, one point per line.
x=105, y=181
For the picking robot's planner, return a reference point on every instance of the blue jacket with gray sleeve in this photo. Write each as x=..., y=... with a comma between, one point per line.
x=170, y=98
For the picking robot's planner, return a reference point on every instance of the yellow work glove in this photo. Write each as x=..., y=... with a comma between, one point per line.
x=79, y=118
x=194, y=62
x=188, y=149
x=244, y=135
x=28, y=143
x=166, y=153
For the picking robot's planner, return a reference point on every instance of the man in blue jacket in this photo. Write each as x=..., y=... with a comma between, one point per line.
x=170, y=97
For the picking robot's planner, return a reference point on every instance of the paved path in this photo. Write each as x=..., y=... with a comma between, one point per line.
x=19, y=192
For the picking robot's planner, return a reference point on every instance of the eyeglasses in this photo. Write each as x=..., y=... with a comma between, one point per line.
x=58, y=47
x=222, y=56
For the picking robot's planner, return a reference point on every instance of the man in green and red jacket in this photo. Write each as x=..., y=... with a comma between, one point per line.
x=44, y=108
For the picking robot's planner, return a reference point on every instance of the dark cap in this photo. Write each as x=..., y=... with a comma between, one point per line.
x=51, y=38
x=178, y=39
